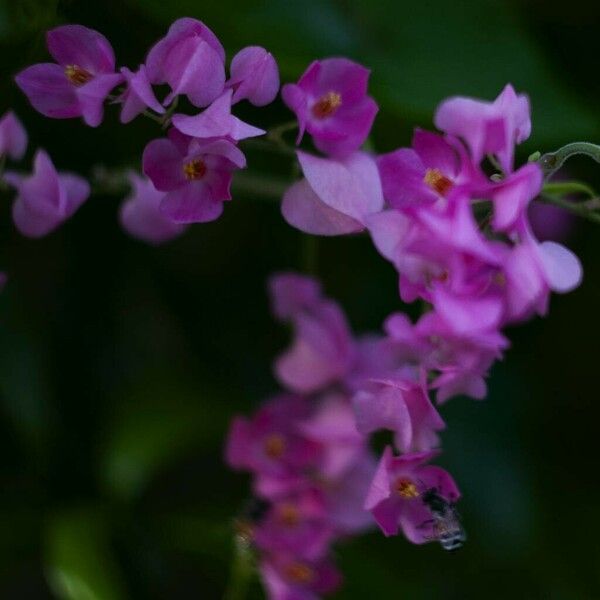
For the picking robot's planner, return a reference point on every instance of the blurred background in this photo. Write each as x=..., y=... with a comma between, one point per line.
x=121, y=364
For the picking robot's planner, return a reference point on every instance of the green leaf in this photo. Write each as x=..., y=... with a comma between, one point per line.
x=159, y=422
x=79, y=565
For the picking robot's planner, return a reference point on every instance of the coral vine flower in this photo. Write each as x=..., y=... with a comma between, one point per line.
x=254, y=76
x=196, y=174
x=191, y=60
x=335, y=197
x=140, y=213
x=46, y=198
x=287, y=578
x=395, y=501
x=322, y=350
x=488, y=127
x=216, y=121
x=13, y=137
x=80, y=81
x=402, y=406
x=331, y=103
x=138, y=95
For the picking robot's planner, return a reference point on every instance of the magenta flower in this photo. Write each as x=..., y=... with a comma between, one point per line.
x=13, y=137
x=297, y=525
x=140, y=213
x=46, y=198
x=271, y=445
x=254, y=76
x=322, y=350
x=3, y=280
x=401, y=406
x=195, y=174
x=488, y=127
x=216, y=121
x=191, y=60
x=138, y=95
x=395, y=500
x=287, y=578
x=331, y=103
x=81, y=79
x=335, y=197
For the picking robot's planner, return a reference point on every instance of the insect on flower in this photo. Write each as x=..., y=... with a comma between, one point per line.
x=447, y=528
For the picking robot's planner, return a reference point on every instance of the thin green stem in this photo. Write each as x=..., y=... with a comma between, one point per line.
x=552, y=161
x=259, y=186
x=269, y=146
x=562, y=188
x=577, y=209
x=242, y=569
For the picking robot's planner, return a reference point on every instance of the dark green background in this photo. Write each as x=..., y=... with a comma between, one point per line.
x=121, y=365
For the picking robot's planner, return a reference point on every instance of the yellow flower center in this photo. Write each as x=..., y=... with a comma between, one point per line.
x=275, y=446
x=300, y=573
x=194, y=169
x=76, y=75
x=327, y=105
x=406, y=489
x=437, y=181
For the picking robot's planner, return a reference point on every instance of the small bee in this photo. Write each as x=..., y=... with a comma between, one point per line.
x=448, y=530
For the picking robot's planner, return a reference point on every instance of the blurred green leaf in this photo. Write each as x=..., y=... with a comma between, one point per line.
x=418, y=57
x=159, y=422
x=79, y=565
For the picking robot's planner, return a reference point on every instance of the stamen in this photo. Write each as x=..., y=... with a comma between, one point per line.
x=406, y=488
x=327, y=105
x=195, y=169
x=300, y=573
x=275, y=446
x=76, y=75
x=288, y=515
x=437, y=181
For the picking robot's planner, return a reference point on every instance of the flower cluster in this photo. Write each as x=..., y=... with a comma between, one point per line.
x=308, y=448
x=188, y=173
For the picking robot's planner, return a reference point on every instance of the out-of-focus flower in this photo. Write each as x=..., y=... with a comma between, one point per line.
x=395, y=500
x=216, y=121
x=335, y=197
x=254, y=76
x=3, y=280
x=140, y=213
x=195, y=174
x=13, y=137
x=81, y=79
x=138, y=95
x=322, y=350
x=287, y=578
x=191, y=60
x=331, y=103
x=46, y=198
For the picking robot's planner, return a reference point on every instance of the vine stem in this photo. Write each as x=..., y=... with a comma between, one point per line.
x=552, y=161
x=577, y=209
x=242, y=568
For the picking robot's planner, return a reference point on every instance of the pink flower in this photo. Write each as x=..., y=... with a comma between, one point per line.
x=195, y=174
x=322, y=350
x=272, y=447
x=395, y=498
x=287, y=578
x=191, y=60
x=13, y=137
x=140, y=213
x=254, y=76
x=46, y=198
x=216, y=121
x=335, y=197
x=488, y=127
x=138, y=96
x=78, y=85
x=401, y=406
x=331, y=103
x=298, y=525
